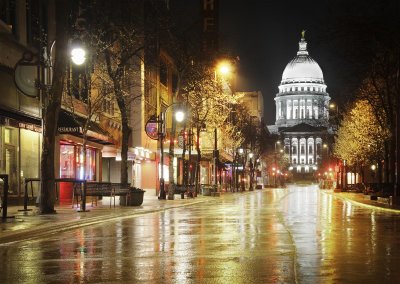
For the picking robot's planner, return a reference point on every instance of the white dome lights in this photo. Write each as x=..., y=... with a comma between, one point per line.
x=302, y=68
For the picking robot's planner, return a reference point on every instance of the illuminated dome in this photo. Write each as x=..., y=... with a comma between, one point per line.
x=302, y=68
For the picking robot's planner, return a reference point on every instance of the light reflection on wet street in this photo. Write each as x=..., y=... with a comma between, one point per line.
x=298, y=234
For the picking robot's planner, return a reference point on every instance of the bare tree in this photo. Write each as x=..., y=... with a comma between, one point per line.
x=51, y=111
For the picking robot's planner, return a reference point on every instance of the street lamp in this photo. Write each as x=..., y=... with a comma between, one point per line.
x=223, y=69
x=333, y=106
x=78, y=55
x=240, y=154
x=179, y=117
x=373, y=168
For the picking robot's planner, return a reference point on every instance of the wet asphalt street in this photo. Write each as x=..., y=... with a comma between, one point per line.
x=293, y=235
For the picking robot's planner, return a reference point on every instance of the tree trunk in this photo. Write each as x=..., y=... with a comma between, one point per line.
x=51, y=111
x=126, y=131
x=171, y=153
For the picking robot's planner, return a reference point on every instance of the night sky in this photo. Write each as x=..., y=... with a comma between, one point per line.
x=265, y=36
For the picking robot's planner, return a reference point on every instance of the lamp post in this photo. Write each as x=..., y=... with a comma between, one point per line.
x=224, y=69
x=275, y=160
x=373, y=168
x=240, y=157
x=215, y=157
x=179, y=117
x=251, y=166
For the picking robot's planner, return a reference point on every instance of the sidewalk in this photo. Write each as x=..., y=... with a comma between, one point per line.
x=364, y=200
x=30, y=224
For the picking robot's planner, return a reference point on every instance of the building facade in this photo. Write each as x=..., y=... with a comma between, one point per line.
x=302, y=113
x=23, y=26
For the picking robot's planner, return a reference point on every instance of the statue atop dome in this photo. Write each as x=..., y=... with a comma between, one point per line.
x=303, y=34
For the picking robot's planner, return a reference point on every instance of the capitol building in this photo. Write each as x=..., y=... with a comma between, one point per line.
x=302, y=112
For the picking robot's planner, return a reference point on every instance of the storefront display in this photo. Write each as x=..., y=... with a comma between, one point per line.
x=74, y=164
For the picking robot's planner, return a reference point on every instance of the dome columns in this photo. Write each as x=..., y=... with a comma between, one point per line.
x=293, y=109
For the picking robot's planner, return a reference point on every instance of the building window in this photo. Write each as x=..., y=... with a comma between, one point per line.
x=163, y=73
x=7, y=135
x=310, y=151
x=302, y=152
x=294, y=150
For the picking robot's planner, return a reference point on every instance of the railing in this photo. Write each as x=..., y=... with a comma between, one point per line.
x=4, y=200
x=26, y=197
x=80, y=188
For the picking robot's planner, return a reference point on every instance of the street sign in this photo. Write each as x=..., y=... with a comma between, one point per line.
x=151, y=128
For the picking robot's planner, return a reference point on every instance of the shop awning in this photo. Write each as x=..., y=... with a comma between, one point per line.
x=69, y=123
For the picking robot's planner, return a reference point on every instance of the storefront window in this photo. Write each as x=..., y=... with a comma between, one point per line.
x=72, y=162
x=8, y=156
x=30, y=156
x=86, y=169
x=67, y=161
x=90, y=164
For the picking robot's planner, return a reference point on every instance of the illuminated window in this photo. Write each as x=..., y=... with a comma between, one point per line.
x=72, y=164
x=67, y=161
x=7, y=135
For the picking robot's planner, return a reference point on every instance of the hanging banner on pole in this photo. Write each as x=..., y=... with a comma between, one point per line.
x=151, y=128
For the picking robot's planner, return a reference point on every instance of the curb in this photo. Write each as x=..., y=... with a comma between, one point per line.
x=12, y=237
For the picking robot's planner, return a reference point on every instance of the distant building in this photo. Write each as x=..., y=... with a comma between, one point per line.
x=254, y=102
x=302, y=113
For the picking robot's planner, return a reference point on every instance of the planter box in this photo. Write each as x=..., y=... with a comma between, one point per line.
x=206, y=189
x=134, y=198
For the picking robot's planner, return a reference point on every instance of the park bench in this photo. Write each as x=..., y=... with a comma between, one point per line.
x=97, y=190
x=182, y=189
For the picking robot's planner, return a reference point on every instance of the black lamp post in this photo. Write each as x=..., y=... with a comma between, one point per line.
x=215, y=158
x=179, y=117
